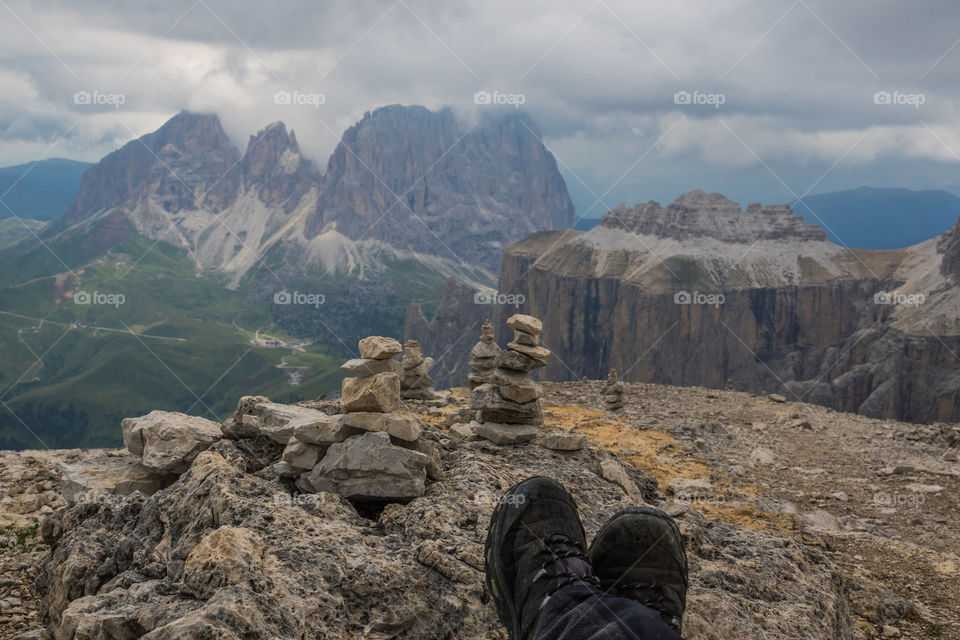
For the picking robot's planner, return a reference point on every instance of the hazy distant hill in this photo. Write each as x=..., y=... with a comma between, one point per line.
x=42, y=191
x=870, y=218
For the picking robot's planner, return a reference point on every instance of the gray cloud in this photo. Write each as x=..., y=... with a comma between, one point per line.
x=797, y=78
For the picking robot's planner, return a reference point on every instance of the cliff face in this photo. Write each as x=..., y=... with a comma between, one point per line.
x=676, y=296
x=411, y=177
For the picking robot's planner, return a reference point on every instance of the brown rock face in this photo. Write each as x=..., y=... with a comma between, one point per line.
x=794, y=314
x=949, y=246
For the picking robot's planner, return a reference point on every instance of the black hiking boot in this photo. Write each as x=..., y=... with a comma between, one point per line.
x=535, y=546
x=639, y=554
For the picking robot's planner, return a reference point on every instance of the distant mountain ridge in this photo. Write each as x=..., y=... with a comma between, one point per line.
x=40, y=190
x=873, y=218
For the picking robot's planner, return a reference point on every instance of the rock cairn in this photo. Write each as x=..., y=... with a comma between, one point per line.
x=371, y=452
x=508, y=408
x=483, y=357
x=612, y=393
x=416, y=383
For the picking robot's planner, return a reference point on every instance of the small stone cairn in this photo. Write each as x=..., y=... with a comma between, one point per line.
x=612, y=393
x=483, y=357
x=416, y=383
x=508, y=408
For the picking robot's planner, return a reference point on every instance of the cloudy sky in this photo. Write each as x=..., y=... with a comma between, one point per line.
x=762, y=100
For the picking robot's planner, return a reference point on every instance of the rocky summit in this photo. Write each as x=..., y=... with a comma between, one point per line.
x=798, y=521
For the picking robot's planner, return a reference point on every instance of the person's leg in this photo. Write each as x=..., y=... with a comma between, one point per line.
x=541, y=581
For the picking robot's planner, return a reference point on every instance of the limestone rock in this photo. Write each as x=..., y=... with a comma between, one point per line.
x=537, y=353
x=85, y=480
x=427, y=448
x=525, y=323
x=278, y=421
x=168, y=441
x=379, y=393
x=226, y=556
x=484, y=350
x=562, y=441
x=516, y=361
x=302, y=455
x=463, y=431
x=614, y=472
x=241, y=429
x=371, y=367
x=379, y=348
x=325, y=430
x=498, y=433
x=399, y=424
x=688, y=488
x=517, y=386
x=369, y=467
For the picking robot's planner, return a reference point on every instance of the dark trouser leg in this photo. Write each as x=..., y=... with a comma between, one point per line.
x=583, y=612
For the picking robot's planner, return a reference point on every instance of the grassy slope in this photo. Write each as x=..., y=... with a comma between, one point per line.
x=192, y=344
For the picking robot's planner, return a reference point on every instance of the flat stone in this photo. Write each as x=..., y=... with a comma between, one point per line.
x=369, y=467
x=516, y=361
x=528, y=339
x=116, y=476
x=689, y=488
x=484, y=350
x=399, y=424
x=776, y=397
x=762, y=456
x=562, y=441
x=499, y=433
x=302, y=455
x=371, y=367
x=380, y=393
x=537, y=353
x=286, y=470
x=427, y=448
x=676, y=509
x=168, y=441
x=487, y=397
x=324, y=430
x=525, y=323
x=517, y=386
x=279, y=421
x=463, y=431
x=240, y=430
x=379, y=348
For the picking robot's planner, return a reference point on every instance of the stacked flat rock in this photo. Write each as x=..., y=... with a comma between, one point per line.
x=483, y=358
x=612, y=393
x=508, y=407
x=373, y=450
x=416, y=383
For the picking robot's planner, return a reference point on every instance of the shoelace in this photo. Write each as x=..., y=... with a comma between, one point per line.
x=555, y=556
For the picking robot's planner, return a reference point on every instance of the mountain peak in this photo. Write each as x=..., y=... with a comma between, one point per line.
x=712, y=215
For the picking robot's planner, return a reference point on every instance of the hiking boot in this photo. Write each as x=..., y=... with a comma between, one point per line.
x=535, y=546
x=639, y=554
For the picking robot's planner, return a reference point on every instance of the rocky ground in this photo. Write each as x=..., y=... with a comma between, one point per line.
x=799, y=521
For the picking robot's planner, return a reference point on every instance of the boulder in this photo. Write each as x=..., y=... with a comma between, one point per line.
x=302, y=455
x=279, y=421
x=688, y=488
x=529, y=324
x=168, y=441
x=115, y=476
x=614, y=472
x=324, y=430
x=241, y=429
x=427, y=448
x=399, y=424
x=380, y=393
x=379, y=348
x=499, y=433
x=369, y=467
x=371, y=367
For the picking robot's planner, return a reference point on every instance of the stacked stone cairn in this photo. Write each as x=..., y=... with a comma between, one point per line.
x=612, y=393
x=416, y=383
x=373, y=450
x=508, y=407
x=483, y=357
